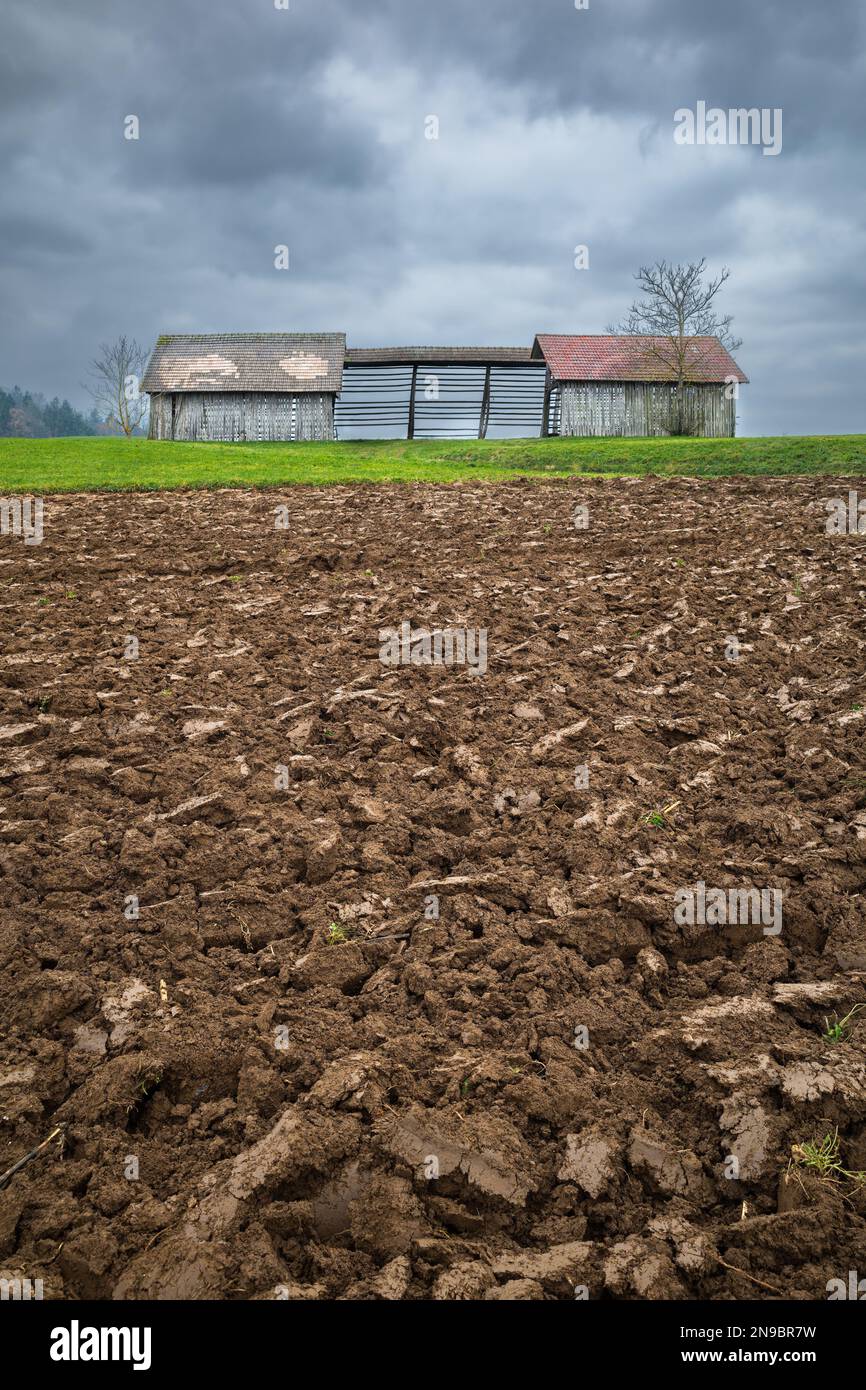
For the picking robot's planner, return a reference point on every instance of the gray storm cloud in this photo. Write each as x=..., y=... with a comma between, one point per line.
x=306, y=127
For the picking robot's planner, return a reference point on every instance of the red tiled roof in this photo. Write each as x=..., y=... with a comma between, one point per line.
x=626, y=357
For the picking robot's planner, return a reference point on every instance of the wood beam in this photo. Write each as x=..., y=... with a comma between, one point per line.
x=410, y=430
x=485, y=407
x=545, y=414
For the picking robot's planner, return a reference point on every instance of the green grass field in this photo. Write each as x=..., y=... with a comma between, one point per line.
x=83, y=464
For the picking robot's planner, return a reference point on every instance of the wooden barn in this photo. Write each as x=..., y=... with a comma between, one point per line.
x=244, y=386
x=440, y=392
x=617, y=384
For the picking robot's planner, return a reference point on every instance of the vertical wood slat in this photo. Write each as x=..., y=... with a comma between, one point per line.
x=241, y=417
x=410, y=427
x=484, y=413
x=637, y=409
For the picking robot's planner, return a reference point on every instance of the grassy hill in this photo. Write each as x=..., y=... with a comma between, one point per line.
x=85, y=464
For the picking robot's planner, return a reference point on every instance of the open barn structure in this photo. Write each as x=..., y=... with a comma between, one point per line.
x=436, y=392
x=304, y=386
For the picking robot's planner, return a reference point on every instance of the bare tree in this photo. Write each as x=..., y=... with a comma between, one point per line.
x=677, y=306
x=115, y=383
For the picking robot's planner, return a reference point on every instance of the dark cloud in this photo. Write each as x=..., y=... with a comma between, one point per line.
x=32, y=240
x=307, y=127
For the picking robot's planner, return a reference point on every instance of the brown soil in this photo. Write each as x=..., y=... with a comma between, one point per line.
x=288, y=1091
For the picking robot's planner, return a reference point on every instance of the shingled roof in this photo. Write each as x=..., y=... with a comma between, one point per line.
x=624, y=357
x=438, y=356
x=291, y=362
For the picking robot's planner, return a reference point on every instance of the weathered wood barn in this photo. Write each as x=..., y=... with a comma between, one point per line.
x=431, y=392
x=297, y=386
x=244, y=386
x=618, y=384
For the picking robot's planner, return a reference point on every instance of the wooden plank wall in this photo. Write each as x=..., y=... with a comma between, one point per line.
x=236, y=416
x=637, y=409
x=387, y=401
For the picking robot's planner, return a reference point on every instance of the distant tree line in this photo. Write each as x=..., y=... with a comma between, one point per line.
x=28, y=415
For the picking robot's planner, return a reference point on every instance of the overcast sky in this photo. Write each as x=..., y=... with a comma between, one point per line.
x=307, y=127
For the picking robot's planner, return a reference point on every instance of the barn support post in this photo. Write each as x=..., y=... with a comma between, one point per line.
x=410, y=429
x=484, y=414
x=545, y=410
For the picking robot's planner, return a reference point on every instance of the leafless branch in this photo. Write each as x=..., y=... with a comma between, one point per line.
x=676, y=309
x=115, y=383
